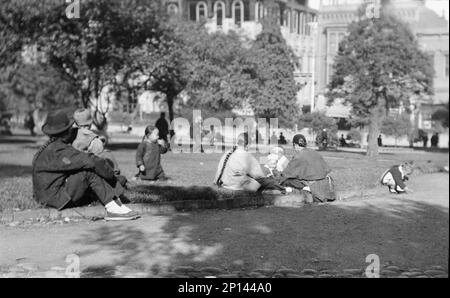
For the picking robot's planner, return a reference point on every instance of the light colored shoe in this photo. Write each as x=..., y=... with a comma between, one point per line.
x=132, y=215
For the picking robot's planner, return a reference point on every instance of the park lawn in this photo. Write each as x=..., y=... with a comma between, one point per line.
x=192, y=175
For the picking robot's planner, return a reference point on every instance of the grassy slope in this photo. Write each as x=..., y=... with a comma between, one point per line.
x=192, y=174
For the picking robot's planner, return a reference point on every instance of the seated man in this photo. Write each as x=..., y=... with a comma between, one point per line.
x=240, y=170
x=64, y=177
x=309, y=172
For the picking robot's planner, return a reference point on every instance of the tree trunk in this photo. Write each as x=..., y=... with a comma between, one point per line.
x=375, y=119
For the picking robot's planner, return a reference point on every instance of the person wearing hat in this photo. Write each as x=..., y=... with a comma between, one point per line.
x=148, y=156
x=64, y=177
x=308, y=171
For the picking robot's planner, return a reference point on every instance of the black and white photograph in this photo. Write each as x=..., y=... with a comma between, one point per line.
x=223, y=145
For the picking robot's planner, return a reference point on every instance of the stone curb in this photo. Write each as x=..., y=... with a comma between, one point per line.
x=165, y=208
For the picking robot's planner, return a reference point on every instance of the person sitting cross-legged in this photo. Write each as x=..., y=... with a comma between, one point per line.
x=64, y=177
x=308, y=172
x=239, y=170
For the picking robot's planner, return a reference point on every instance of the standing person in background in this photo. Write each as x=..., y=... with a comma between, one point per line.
x=148, y=156
x=380, y=141
x=425, y=140
x=29, y=123
x=163, y=127
x=342, y=141
x=435, y=140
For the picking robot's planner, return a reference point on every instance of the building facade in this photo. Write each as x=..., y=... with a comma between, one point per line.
x=296, y=19
x=432, y=34
x=315, y=34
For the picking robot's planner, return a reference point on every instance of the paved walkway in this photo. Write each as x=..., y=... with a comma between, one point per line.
x=409, y=234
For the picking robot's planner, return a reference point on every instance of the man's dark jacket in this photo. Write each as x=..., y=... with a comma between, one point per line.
x=55, y=164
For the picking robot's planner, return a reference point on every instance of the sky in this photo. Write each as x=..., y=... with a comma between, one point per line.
x=439, y=6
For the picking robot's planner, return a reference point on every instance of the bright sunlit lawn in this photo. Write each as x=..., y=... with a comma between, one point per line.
x=191, y=174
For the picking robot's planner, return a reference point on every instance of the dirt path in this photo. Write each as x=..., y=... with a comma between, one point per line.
x=407, y=231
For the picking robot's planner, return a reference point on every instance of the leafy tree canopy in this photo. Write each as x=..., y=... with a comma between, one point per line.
x=378, y=66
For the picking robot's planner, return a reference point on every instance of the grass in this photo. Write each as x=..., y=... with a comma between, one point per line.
x=192, y=174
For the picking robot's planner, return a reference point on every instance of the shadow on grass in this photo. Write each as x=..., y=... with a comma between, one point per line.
x=123, y=146
x=151, y=193
x=17, y=140
x=335, y=236
x=9, y=170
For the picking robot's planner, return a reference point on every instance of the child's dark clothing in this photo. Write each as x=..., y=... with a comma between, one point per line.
x=394, y=179
x=149, y=155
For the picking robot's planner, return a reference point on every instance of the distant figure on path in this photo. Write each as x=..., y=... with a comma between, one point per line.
x=282, y=140
x=309, y=172
x=64, y=177
x=380, y=141
x=163, y=127
x=322, y=139
x=425, y=140
x=29, y=123
x=148, y=156
x=435, y=140
x=342, y=141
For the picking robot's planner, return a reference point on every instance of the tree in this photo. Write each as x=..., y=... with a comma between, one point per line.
x=378, y=66
x=39, y=85
x=219, y=74
x=317, y=122
x=396, y=126
x=272, y=68
x=88, y=52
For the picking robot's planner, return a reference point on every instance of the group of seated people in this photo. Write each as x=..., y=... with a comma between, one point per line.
x=306, y=172
x=73, y=168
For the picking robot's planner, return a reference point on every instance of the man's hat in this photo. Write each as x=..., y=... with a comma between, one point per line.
x=82, y=117
x=57, y=122
x=299, y=140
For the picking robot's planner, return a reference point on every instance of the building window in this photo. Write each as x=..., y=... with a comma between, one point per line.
x=294, y=29
x=201, y=11
x=258, y=10
x=219, y=12
x=238, y=12
x=301, y=26
x=332, y=44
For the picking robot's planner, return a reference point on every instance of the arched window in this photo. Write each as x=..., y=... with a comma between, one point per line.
x=238, y=12
x=219, y=12
x=172, y=9
x=257, y=8
x=201, y=11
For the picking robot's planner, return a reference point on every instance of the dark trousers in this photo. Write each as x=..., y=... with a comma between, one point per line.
x=86, y=187
x=269, y=183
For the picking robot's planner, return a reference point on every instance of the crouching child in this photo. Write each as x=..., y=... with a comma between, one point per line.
x=148, y=156
x=395, y=178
